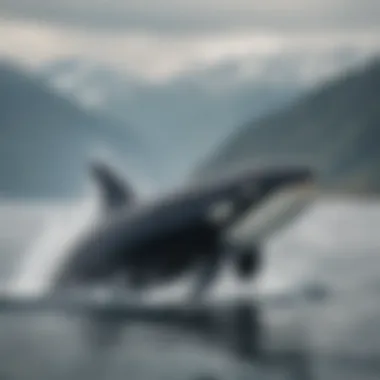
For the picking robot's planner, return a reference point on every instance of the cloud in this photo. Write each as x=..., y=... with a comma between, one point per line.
x=158, y=57
x=162, y=38
x=169, y=15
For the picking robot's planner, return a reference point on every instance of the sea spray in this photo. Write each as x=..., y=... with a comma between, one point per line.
x=50, y=250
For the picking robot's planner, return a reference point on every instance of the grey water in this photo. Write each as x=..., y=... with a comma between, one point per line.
x=334, y=245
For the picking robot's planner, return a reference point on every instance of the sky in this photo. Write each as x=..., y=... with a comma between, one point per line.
x=198, y=14
x=158, y=39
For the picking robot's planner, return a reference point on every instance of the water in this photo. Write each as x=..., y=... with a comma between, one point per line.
x=335, y=245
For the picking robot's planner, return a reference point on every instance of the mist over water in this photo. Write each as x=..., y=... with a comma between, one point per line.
x=335, y=243
x=34, y=236
x=48, y=250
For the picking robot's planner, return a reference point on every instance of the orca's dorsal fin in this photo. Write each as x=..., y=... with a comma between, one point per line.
x=115, y=192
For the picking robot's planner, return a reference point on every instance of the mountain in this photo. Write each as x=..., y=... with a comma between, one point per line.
x=187, y=111
x=335, y=128
x=46, y=139
x=183, y=116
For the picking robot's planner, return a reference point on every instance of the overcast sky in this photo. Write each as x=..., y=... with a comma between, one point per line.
x=160, y=37
x=195, y=14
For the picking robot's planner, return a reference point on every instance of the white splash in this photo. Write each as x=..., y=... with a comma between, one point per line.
x=49, y=251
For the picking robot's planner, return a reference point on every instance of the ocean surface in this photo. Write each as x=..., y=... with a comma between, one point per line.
x=334, y=247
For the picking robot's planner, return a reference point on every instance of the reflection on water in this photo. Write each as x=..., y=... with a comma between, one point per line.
x=336, y=246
